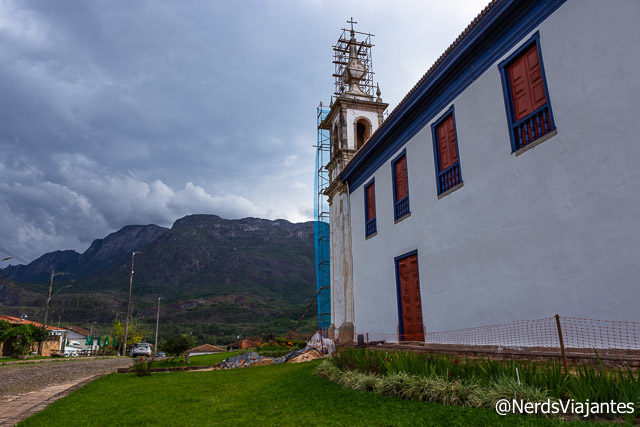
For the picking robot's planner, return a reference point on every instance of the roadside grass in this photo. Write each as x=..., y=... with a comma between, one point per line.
x=283, y=394
x=8, y=362
x=15, y=359
x=9, y=359
x=202, y=360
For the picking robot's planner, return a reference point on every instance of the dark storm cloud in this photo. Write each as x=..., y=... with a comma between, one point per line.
x=123, y=112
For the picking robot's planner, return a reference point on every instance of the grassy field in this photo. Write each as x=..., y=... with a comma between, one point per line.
x=283, y=394
x=202, y=360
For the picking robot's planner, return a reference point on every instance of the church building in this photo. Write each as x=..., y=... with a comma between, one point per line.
x=504, y=186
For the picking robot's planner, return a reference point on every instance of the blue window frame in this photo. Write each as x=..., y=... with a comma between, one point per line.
x=400, y=174
x=535, y=119
x=370, y=208
x=445, y=152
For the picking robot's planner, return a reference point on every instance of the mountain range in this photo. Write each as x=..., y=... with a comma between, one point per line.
x=218, y=278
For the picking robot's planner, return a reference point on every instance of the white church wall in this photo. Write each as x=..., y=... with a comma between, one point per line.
x=553, y=230
x=338, y=212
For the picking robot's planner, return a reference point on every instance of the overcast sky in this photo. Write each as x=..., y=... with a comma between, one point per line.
x=136, y=112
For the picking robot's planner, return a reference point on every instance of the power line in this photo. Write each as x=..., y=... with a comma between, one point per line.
x=15, y=256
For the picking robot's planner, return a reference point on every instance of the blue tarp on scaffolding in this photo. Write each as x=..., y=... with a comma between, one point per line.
x=321, y=225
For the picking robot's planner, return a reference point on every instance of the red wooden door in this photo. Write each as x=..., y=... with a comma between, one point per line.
x=412, y=329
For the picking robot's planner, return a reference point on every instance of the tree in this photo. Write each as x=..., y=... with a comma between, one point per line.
x=19, y=339
x=178, y=344
x=135, y=334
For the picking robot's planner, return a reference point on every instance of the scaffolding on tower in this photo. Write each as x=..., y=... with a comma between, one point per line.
x=341, y=59
x=321, y=225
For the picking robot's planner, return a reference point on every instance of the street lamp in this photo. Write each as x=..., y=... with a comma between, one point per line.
x=126, y=319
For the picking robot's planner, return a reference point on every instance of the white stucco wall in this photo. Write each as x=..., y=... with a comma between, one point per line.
x=352, y=116
x=340, y=253
x=554, y=230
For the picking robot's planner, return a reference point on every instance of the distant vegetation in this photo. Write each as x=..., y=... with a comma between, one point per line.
x=218, y=279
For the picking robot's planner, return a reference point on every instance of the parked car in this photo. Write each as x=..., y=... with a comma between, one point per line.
x=141, y=349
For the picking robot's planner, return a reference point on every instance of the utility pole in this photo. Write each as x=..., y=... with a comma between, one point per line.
x=46, y=306
x=49, y=297
x=126, y=320
x=155, y=345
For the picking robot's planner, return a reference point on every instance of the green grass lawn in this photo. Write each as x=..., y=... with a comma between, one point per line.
x=283, y=394
x=202, y=360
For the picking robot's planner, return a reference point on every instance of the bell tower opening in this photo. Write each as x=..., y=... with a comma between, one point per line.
x=363, y=132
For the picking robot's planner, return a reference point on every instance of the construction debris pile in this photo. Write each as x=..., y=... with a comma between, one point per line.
x=245, y=359
x=316, y=348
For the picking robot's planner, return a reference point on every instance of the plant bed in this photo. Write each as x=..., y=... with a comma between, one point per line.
x=477, y=382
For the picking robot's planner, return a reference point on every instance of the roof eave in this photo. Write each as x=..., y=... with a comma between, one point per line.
x=463, y=44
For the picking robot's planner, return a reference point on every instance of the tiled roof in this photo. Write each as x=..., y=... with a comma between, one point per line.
x=18, y=321
x=78, y=330
x=205, y=348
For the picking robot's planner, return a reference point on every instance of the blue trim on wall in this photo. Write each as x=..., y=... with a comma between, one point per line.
x=396, y=202
x=506, y=86
x=369, y=230
x=399, y=289
x=436, y=147
x=503, y=26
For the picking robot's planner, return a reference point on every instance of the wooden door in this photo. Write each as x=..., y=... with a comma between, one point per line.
x=410, y=305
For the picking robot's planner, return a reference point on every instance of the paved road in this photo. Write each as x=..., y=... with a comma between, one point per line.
x=19, y=379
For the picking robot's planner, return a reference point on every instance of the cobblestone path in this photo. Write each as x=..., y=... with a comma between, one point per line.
x=19, y=379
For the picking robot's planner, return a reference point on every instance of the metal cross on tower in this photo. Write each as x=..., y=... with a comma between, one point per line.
x=351, y=21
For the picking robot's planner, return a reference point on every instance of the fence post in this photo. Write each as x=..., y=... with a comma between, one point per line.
x=564, y=359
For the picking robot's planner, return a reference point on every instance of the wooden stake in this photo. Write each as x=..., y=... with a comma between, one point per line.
x=564, y=359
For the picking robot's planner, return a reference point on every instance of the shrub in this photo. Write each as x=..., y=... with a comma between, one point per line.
x=19, y=339
x=178, y=344
x=406, y=386
x=142, y=366
x=506, y=387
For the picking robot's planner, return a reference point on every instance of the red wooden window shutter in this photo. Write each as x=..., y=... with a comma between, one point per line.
x=447, y=143
x=402, y=185
x=527, y=86
x=371, y=201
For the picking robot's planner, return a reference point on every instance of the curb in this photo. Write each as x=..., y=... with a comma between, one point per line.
x=171, y=369
x=56, y=359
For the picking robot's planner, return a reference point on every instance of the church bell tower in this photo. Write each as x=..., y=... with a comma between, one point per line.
x=354, y=115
